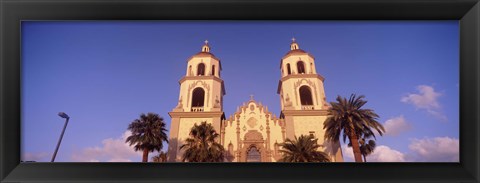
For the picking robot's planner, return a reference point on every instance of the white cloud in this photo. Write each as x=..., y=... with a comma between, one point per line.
x=380, y=154
x=112, y=150
x=38, y=157
x=426, y=99
x=386, y=154
x=347, y=153
x=396, y=125
x=438, y=149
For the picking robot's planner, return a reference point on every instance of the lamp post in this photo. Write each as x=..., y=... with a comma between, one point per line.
x=66, y=117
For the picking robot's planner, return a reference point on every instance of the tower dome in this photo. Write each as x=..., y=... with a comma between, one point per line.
x=205, y=50
x=295, y=48
x=205, y=47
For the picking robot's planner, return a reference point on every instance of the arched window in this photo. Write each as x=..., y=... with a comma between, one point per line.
x=300, y=67
x=305, y=95
x=198, y=97
x=253, y=155
x=201, y=69
x=289, y=71
x=213, y=70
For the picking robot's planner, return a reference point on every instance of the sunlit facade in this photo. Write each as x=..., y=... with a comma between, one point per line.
x=252, y=133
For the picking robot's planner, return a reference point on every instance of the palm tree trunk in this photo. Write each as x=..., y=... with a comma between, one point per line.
x=364, y=158
x=356, y=147
x=145, y=155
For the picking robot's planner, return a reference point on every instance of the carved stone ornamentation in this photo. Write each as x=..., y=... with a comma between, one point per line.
x=310, y=83
x=217, y=102
x=252, y=122
x=253, y=135
x=179, y=105
x=205, y=87
x=326, y=105
x=288, y=103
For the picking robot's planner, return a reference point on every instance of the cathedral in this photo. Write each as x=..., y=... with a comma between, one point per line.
x=252, y=133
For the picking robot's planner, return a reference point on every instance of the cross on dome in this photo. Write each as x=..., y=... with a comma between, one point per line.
x=294, y=45
x=251, y=97
x=205, y=47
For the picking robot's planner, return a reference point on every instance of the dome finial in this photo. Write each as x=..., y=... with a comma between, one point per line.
x=294, y=45
x=205, y=47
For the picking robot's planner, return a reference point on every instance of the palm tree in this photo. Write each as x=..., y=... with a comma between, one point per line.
x=365, y=148
x=148, y=134
x=202, y=145
x=161, y=157
x=302, y=149
x=347, y=116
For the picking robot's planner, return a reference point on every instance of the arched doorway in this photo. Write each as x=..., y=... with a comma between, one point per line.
x=253, y=155
x=253, y=149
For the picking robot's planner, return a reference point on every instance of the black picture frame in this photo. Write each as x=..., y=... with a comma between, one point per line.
x=15, y=11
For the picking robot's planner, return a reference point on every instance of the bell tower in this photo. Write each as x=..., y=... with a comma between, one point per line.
x=200, y=99
x=300, y=87
x=302, y=98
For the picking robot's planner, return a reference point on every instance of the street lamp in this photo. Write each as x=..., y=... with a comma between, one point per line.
x=63, y=115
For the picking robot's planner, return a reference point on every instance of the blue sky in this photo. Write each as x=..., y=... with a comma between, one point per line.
x=105, y=73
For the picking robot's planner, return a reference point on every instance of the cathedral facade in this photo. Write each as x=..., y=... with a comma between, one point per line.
x=252, y=133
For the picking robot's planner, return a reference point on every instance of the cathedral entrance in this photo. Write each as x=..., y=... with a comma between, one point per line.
x=253, y=149
x=253, y=155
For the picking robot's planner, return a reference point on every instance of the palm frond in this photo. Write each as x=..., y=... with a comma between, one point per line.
x=302, y=149
x=349, y=119
x=202, y=145
x=148, y=132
